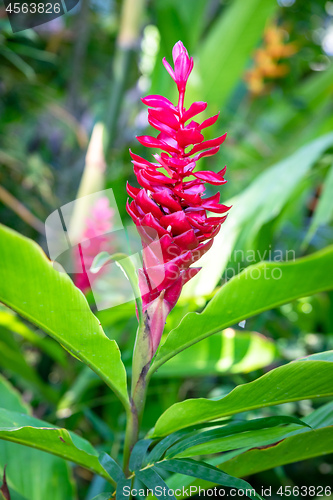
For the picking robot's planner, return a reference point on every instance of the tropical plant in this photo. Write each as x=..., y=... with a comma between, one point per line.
x=229, y=374
x=171, y=217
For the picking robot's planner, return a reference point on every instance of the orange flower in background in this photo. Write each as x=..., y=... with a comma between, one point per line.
x=267, y=60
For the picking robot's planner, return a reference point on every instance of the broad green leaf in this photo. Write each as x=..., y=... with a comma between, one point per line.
x=291, y=382
x=214, y=438
x=229, y=351
x=152, y=480
x=34, y=289
x=324, y=210
x=261, y=202
x=40, y=469
x=29, y=431
x=36, y=475
x=103, y=496
x=205, y=471
x=320, y=418
x=256, y=289
x=292, y=449
x=221, y=76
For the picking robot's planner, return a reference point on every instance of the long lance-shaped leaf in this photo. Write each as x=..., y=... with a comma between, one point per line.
x=39, y=470
x=160, y=448
x=138, y=454
x=33, y=288
x=202, y=470
x=292, y=449
x=273, y=455
x=29, y=431
x=295, y=448
x=153, y=480
x=304, y=379
x=258, y=204
x=121, y=493
x=231, y=429
x=258, y=288
x=111, y=467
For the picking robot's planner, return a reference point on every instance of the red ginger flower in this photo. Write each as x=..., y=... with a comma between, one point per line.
x=168, y=210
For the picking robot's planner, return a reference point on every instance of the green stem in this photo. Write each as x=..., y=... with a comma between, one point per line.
x=140, y=366
x=131, y=437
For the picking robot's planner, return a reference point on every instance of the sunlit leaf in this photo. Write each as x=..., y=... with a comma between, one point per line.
x=40, y=469
x=304, y=379
x=33, y=288
x=29, y=431
x=256, y=289
x=229, y=351
x=259, y=203
x=233, y=462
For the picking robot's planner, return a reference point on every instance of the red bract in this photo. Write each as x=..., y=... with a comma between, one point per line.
x=169, y=209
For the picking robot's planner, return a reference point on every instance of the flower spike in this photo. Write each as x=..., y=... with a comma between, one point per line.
x=169, y=209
